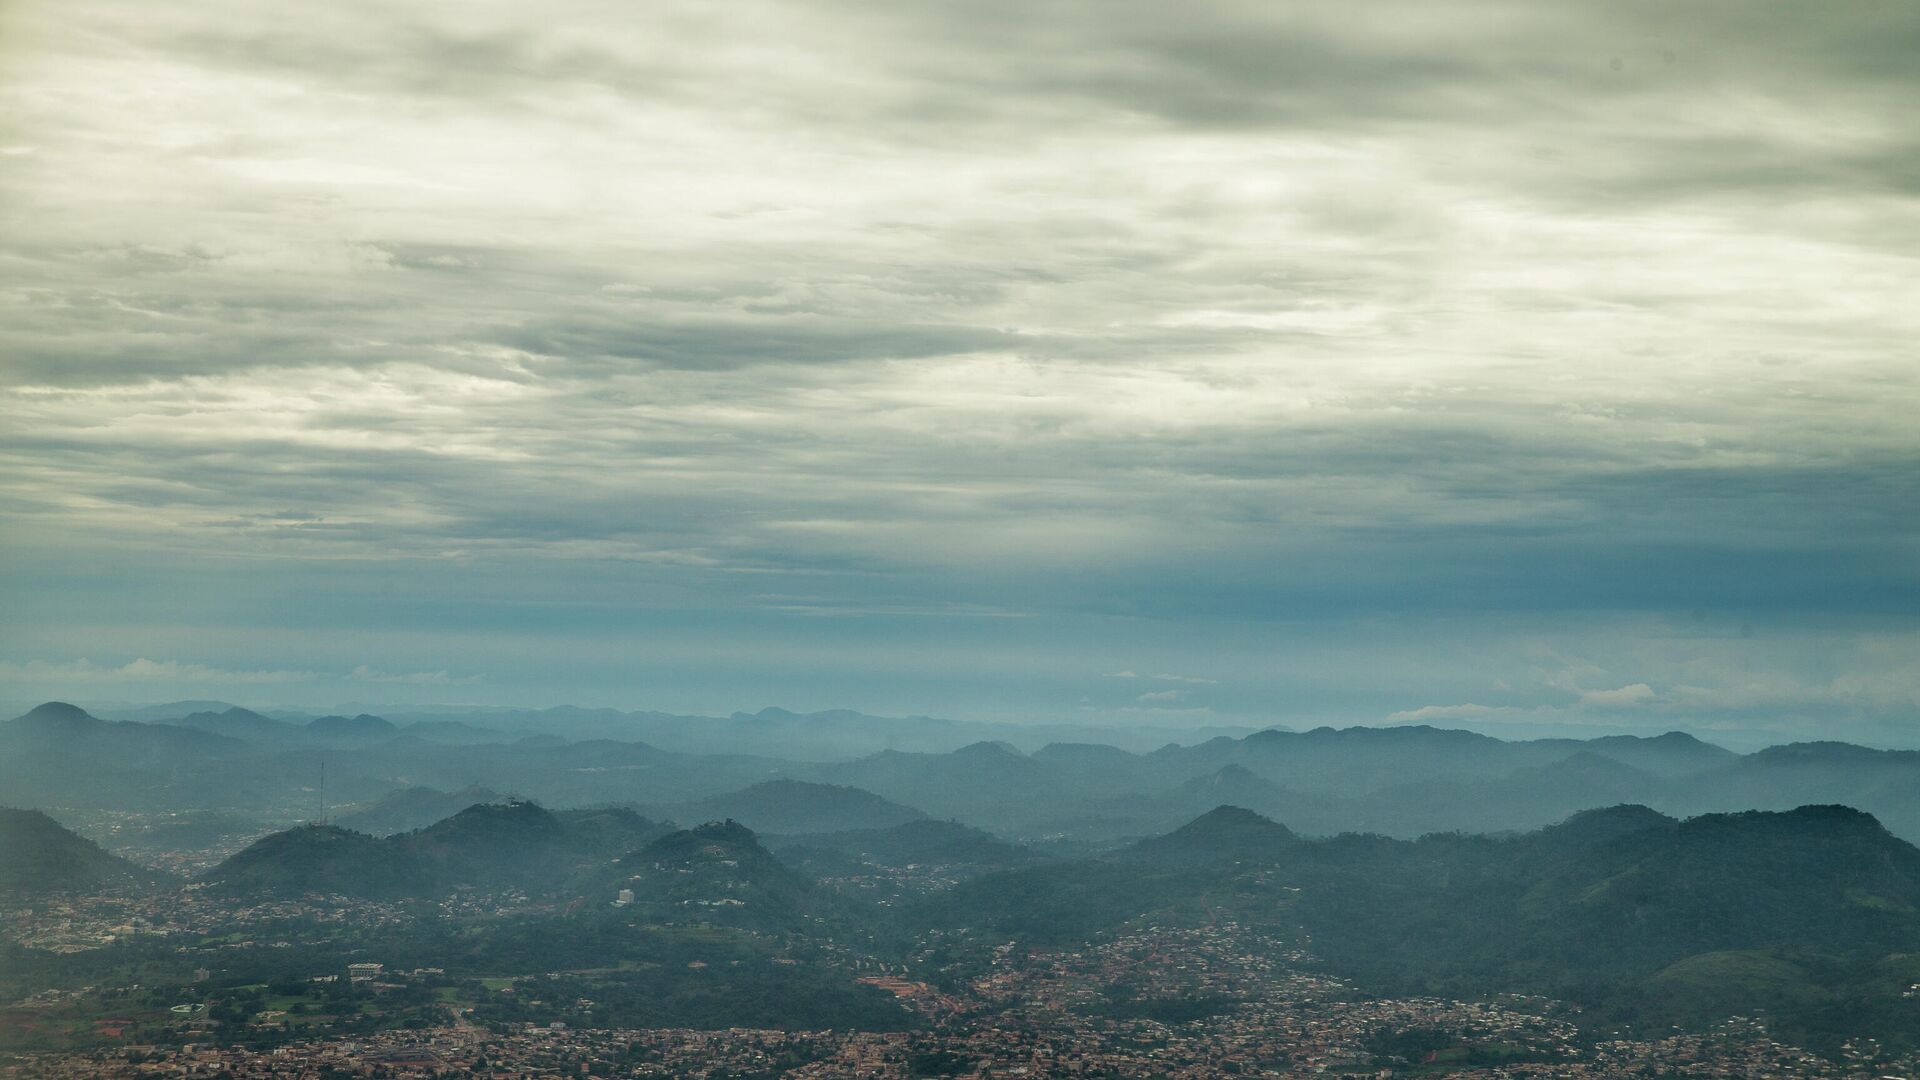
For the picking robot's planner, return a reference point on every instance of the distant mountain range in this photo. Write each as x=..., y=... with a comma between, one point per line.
x=69, y=733
x=1396, y=781
x=818, y=736
x=919, y=842
x=796, y=806
x=415, y=808
x=254, y=727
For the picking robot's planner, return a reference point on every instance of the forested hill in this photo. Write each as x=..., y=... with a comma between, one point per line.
x=516, y=844
x=39, y=857
x=1810, y=915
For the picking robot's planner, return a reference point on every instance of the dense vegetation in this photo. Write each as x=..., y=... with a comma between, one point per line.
x=489, y=845
x=1809, y=917
x=38, y=857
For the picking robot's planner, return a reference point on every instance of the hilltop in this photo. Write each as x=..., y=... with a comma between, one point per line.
x=323, y=860
x=719, y=873
x=516, y=844
x=361, y=728
x=1225, y=833
x=415, y=808
x=1621, y=909
x=796, y=806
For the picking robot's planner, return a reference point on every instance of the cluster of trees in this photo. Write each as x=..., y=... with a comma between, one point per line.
x=737, y=993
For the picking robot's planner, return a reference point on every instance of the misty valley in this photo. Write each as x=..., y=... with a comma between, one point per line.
x=198, y=888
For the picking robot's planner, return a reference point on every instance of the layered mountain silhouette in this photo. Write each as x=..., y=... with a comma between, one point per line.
x=796, y=806
x=361, y=728
x=69, y=732
x=415, y=808
x=1397, y=781
x=957, y=850
x=923, y=841
x=249, y=726
x=515, y=844
x=239, y=723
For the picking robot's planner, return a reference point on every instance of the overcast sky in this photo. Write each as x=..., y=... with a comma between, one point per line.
x=1497, y=364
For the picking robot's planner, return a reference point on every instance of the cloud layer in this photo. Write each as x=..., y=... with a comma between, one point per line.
x=957, y=355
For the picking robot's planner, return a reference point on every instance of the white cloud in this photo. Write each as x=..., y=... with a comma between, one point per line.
x=1636, y=694
x=363, y=673
x=1464, y=711
x=143, y=670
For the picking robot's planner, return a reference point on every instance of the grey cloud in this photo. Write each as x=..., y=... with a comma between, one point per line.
x=722, y=344
x=1178, y=326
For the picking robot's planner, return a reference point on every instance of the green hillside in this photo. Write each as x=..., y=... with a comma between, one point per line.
x=39, y=857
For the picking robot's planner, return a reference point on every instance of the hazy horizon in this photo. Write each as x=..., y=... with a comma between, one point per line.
x=1731, y=737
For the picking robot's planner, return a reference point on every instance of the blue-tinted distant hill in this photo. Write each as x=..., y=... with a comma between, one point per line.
x=162, y=712
x=453, y=731
x=795, y=806
x=1673, y=754
x=244, y=724
x=60, y=755
x=828, y=735
x=948, y=845
x=959, y=784
x=415, y=808
x=362, y=728
x=1888, y=781
x=1401, y=781
x=58, y=726
x=1398, y=781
